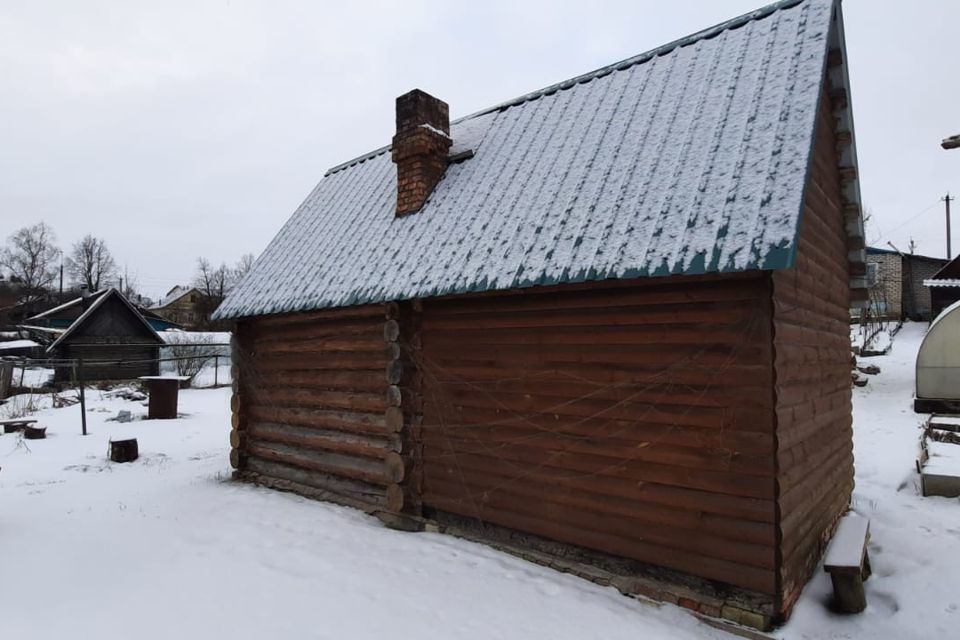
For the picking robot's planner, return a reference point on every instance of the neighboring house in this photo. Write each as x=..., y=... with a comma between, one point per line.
x=185, y=306
x=64, y=315
x=943, y=287
x=604, y=324
x=110, y=336
x=896, y=281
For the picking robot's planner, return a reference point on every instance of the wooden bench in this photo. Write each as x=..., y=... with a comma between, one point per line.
x=848, y=564
x=10, y=426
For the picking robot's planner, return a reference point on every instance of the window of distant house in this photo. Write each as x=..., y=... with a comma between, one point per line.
x=872, y=274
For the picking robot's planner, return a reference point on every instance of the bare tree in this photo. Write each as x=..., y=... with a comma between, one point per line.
x=90, y=263
x=244, y=264
x=30, y=256
x=212, y=282
x=191, y=351
x=130, y=286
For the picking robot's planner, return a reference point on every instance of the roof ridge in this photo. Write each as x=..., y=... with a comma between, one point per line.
x=622, y=65
x=640, y=58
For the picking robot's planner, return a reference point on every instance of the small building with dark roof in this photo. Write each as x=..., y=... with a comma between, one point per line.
x=64, y=315
x=110, y=336
x=605, y=324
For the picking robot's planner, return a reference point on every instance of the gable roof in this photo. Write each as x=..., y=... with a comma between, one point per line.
x=175, y=294
x=66, y=305
x=688, y=159
x=949, y=271
x=92, y=309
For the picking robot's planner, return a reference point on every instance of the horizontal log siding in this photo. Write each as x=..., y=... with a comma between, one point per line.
x=812, y=361
x=311, y=410
x=632, y=419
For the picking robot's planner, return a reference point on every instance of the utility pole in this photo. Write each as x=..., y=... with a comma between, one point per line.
x=912, y=245
x=946, y=201
x=61, y=281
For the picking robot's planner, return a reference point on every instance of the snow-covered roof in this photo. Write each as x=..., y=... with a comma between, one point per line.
x=943, y=282
x=79, y=322
x=688, y=159
x=173, y=295
x=67, y=305
x=18, y=344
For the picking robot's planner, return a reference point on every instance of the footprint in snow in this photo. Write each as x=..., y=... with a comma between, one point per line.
x=885, y=601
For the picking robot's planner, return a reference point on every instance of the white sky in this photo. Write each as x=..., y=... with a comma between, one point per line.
x=180, y=129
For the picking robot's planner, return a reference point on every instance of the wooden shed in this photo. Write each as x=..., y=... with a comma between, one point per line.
x=603, y=325
x=111, y=337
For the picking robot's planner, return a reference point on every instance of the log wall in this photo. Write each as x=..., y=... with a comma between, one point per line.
x=635, y=419
x=312, y=410
x=812, y=362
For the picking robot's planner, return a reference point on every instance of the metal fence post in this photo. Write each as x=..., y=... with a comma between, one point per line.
x=216, y=370
x=83, y=403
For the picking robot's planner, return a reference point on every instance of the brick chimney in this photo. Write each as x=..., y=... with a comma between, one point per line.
x=419, y=148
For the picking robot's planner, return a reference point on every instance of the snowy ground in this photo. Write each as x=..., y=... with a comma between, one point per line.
x=31, y=377
x=876, y=338
x=167, y=546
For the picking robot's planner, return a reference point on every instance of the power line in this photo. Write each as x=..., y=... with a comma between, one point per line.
x=910, y=219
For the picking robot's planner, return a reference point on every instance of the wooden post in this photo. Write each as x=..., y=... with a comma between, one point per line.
x=216, y=369
x=83, y=402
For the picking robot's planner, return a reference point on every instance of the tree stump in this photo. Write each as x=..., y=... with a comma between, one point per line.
x=124, y=450
x=31, y=432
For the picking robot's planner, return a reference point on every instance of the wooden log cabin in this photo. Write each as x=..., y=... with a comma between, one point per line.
x=603, y=325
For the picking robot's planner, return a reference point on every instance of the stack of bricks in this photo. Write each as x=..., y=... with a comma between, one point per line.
x=420, y=148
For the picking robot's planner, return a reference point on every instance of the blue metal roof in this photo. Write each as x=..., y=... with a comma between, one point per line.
x=688, y=159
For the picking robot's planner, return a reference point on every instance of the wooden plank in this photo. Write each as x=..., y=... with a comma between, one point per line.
x=624, y=433
x=334, y=464
x=538, y=521
x=297, y=398
x=362, y=445
x=336, y=361
x=600, y=295
x=334, y=380
x=322, y=315
x=605, y=452
x=564, y=387
x=329, y=487
x=350, y=421
x=629, y=470
x=747, y=376
x=473, y=486
x=647, y=492
x=456, y=406
x=717, y=313
x=603, y=514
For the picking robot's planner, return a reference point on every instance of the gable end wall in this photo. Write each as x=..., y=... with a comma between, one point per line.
x=811, y=304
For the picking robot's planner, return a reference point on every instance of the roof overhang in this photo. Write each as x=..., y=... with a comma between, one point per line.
x=839, y=85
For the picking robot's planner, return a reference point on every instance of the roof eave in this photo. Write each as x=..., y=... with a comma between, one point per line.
x=837, y=74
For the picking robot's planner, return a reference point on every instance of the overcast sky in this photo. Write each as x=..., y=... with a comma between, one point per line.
x=176, y=130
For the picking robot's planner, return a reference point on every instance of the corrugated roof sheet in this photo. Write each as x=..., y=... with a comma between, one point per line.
x=689, y=159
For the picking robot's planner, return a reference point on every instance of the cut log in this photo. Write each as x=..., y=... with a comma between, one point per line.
x=391, y=331
x=124, y=450
x=31, y=432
